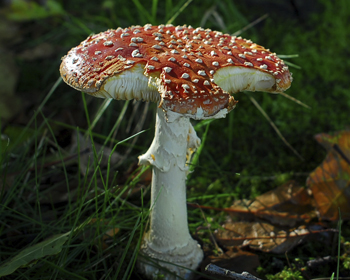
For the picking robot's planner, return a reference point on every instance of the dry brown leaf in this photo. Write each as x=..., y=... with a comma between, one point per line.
x=260, y=236
x=285, y=205
x=330, y=182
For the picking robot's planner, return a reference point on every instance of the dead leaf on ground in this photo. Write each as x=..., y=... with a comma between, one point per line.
x=284, y=205
x=330, y=182
x=262, y=236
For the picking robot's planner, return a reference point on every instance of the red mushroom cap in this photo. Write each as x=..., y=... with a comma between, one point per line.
x=180, y=66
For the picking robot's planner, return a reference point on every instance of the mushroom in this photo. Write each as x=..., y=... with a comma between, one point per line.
x=190, y=72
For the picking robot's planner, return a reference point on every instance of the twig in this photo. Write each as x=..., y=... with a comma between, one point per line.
x=213, y=269
x=341, y=153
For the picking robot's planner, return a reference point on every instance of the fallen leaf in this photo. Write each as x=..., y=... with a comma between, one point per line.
x=285, y=205
x=330, y=182
x=262, y=236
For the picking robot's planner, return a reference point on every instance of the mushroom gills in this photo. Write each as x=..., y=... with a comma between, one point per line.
x=130, y=84
x=236, y=78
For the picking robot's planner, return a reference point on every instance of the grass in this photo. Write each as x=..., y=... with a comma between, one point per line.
x=100, y=203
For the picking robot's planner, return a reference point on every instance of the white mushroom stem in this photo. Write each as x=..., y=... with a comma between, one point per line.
x=168, y=241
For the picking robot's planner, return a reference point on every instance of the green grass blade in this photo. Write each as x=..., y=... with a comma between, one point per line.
x=179, y=11
x=196, y=155
x=250, y=25
x=100, y=111
x=41, y=106
x=294, y=100
x=284, y=56
x=113, y=150
x=293, y=65
x=112, y=134
x=64, y=271
x=154, y=11
x=339, y=239
x=252, y=99
x=141, y=9
x=48, y=247
x=137, y=224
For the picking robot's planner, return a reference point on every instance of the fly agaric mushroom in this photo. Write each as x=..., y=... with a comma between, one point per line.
x=189, y=72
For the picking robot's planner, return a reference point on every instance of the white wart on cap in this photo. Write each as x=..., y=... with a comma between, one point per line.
x=188, y=70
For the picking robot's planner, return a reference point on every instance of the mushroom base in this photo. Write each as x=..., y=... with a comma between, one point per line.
x=173, y=264
x=168, y=248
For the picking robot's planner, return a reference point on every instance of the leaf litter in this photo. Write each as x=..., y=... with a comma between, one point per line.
x=330, y=181
x=280, y=219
